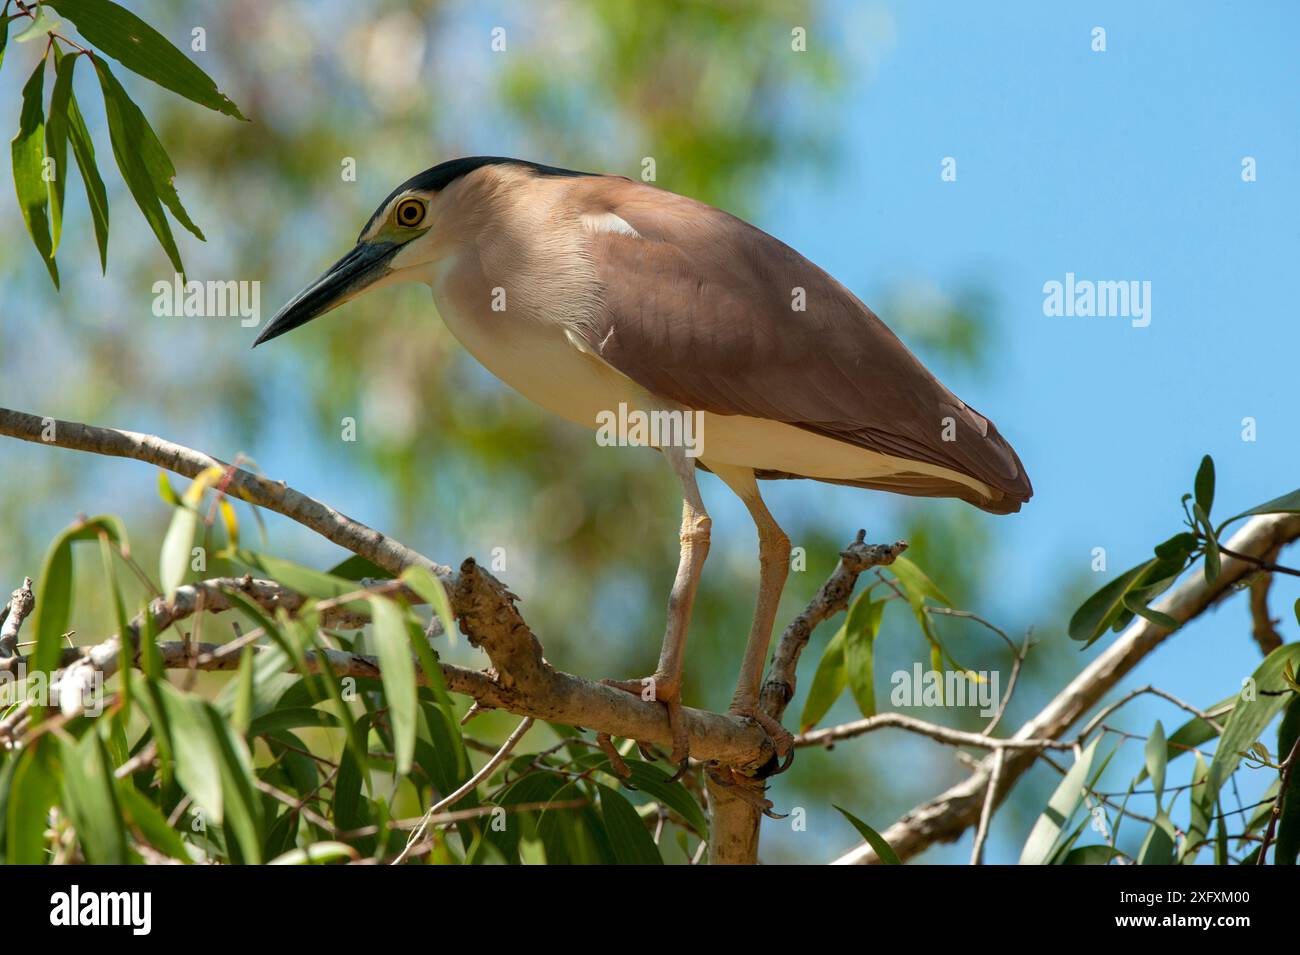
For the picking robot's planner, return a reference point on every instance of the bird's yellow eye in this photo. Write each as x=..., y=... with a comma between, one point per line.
x=409, y=213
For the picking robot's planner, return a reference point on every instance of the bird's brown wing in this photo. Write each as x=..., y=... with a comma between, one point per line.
x=700, y=308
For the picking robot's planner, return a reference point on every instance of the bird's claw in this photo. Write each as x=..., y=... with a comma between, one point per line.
x=652, y=689
x=781, y=738
x=746, y=788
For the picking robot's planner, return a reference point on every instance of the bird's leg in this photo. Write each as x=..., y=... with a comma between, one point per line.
x=774, y=567
x=665, y=685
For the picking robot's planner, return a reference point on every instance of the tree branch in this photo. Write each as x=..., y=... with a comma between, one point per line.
x=945, y=817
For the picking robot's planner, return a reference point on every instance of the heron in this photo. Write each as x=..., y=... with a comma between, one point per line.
x=589, y=293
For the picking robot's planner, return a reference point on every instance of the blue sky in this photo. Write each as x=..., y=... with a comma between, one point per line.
x=1116, y=165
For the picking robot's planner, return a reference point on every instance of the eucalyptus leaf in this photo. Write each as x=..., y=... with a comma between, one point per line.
x=27, y=152
x=140, y=48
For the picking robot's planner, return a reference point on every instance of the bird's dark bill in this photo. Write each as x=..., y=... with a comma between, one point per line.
x=359, y=268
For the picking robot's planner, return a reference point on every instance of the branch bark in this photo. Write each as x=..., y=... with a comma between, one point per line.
x=945, y=817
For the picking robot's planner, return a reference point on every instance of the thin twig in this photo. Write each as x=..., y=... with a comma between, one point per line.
x=467, y=787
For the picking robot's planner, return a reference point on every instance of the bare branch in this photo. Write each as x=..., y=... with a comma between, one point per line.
x=945, y=817
x=12, y=616
x=944, y=734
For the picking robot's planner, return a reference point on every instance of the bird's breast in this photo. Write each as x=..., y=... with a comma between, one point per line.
x=531, y=354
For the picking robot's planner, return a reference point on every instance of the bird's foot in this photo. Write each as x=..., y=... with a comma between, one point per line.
x=782, y=739
x=749, y=789
x=652, y=689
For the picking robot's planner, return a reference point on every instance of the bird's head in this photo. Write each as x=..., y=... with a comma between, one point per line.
x=412, y=229
x=400, y=238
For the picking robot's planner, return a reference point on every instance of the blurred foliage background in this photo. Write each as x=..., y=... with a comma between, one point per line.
x=446, y=458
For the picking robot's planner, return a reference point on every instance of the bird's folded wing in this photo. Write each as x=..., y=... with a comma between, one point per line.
x=708, y=311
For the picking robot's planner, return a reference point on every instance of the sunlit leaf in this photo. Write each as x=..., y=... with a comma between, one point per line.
x=882, y=849
x=318, y=853
x=1156, y=756
x=55, y=588
x=33, y=792
x=41, y=26
x=430, y=588
x=143, y=50
x=1250, y=716
x=1065, y=800
x=394, y=649
x=27, y=152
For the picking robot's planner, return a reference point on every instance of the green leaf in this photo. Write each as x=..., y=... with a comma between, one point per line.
x=1250, y=717
x=1198, y=826
x=42, y=25
x=91, y=801
x=1134, y=603
x=1066, y=799
x=1095, y=614
x=827, y=684
x=861, y=628
x=1204, y=485
x=916, y=587
x=55, y=588
x=1106, y=608
x=196, y=749
x=34, y=791
x=357, y=567
x=882, y=849
x=317, y=853
x=1287, y=848
x=1156, y=756
x=152, y=824
x=1194, y=733
x=1177, y=547
x=398, y=676
x=143, y=50
x=1158, y=846
x=1212, y=560
x=658, y=785
x=627, y=834
x=291, y=718
x=27, y=151
x=174, y=557
x=83, y=151
x=1286, y=504
x=305, y=580
x=1091, y=855
x=56, y=143
x=144, y=166
x=431, y=589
